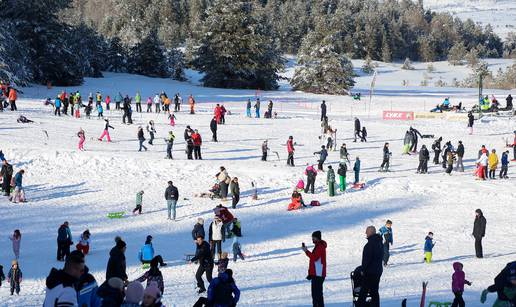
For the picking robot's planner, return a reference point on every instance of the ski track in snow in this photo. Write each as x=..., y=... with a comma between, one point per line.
x=82, y=187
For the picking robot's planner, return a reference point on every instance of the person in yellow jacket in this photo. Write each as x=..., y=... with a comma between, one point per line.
x=493, y=164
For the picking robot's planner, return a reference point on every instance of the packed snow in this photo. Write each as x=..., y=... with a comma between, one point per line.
x=62, y=183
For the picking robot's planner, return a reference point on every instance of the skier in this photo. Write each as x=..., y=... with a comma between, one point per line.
x=217, y=112
x=84, y=242
x=460, y=156
x=371, y=270
x=330, y=180
x=505, y=165
x=98, y=99
x=151, y=130
x=248, y=108
x=14, y=277
x=269, y=109
x=171, y=196
x=12, y=99
x=257, y=107
x=436, y=147
x=197, y=142
x=64, y=240
x=60, y=284
x=235, y=192
x=290, y=151
x=323, y=154
x=493, y=164
x=213, y=128
x=384, y=167
x=172, y=117
x=356, y=169
x=471, y=121
x=16, y=241
x=141, y=138
x=344, y=152
x=458, y=281
x=311, y=175
x=170, y=143
x=204, y=258
x=139, y=200
x=323, y=110
x=479, y=231
x=386, y=232
x=189, y=142
x=343, y=168
x=65, y=102
x=138, y=100
x=106, y=131
x=265, y=149
x=357, y=129
x=429, y=246
x=415, y=134
x=316, y=267
x=424, y=156
x=128, y=112
x=6, y=173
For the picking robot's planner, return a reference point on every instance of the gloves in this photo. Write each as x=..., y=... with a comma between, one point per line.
x=483, y=296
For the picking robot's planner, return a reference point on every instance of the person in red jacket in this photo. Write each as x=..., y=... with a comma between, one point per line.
x=218, y=113
x=197, y=142
x=290, y=150
x=317, y=268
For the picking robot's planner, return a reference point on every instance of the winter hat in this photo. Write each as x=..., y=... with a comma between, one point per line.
x=116, y=283
x=134, y=293
x=152, y=290
x=317, y=234
x=120, y=244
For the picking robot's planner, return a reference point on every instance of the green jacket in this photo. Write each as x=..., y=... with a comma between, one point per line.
x=139, y=198
x=330, y=176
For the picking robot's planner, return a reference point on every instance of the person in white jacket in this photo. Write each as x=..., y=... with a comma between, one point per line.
x=157, y=102
x=482, y=162
x=60, y=291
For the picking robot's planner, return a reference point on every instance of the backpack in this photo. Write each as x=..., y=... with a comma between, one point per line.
x=223, y=294
x=315, y=203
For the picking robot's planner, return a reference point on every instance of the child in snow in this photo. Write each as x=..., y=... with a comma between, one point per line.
x=172, y=118
x=82, y=138
x=139, y=199
x=14, y=277
x=343, y=168
x=153, y=275
x=16, y=239
x=458, y=281
x=222, y=263
x=100, y=110
x=84, y=242
x=429, y=245
x=237, y=249
x=300, y=186
x=363, y=137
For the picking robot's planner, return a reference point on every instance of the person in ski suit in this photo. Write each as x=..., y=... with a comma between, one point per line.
x=106, y=131
x=14, y=277
x=316, y=267
x=149, y=105
x=356, y=169
x=323, y=110
x=64, y=240
x=223, y=115
x=458, y=281
x=12, y=99
x=170, y=143
x=171, y=196
x=436, y=147
x=424, y=156
x=141, y=138
x=87, y=290
x=146, y=253
x=118, y=100
x=204, y=257
x=479, y=231
x=151, y=130
x=323, y=154
x=191, y=102
x=493, y=164
x=330, y=180
x=386, y=157
x=372, y=269
x=357, y=129
x=265, y=150
x=290, y=151
x=213, y=128
x=139, y=201
x=108, y=102
x=269, y=108
x=7, y=174
x=311, y=175
x=429, y=246
x=16, y=241
x=386, y=232
x=505, y=165
x=343, y=168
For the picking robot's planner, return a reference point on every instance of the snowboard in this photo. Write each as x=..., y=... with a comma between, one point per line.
x=116, y=215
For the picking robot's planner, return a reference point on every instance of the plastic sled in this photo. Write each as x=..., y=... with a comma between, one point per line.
x=146, y=266
x=115, y=215
x=358, y=186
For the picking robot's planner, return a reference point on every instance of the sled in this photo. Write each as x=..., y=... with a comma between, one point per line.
x=116, y=215
x=146, y=266
x=315, y=203
x=439, y=304
x=358, y=186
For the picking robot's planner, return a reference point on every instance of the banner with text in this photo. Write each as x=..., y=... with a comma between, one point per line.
x=398, y=115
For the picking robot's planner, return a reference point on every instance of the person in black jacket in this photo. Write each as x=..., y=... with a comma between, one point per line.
x=323, y=110
x=213, y=128
x=415, y=134
x=171, y=196
x=436, y=147
x=471, y=121
x=479, y=231
x=384, y=167
x=460, y=155
x=372, y=269
x=7, y=174
x=198, y=230
x=116, y=266
x=424, y=156
x=357, y=129
x=203, y=256
x=141, y=139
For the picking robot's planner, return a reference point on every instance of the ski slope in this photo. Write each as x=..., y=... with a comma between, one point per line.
x=82, y=187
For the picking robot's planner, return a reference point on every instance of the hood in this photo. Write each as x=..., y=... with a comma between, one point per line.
x=457, y=266
x=58, y=277
x=479, y=212
x=375, y=237
x=428, y=238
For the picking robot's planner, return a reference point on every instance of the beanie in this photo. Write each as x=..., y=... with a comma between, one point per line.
x=116, y=283
x=317, y=234
x=134, y=293
x=152, y=290
x=120, y=244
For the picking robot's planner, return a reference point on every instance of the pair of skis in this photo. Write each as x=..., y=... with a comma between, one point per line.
x=423, y=296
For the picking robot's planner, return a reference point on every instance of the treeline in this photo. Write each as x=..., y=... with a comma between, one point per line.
x=236, y=43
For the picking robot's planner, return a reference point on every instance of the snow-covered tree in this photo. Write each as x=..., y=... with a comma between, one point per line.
x=407, y=65
x=148, y=57
x=116, y=56
x=457, y=53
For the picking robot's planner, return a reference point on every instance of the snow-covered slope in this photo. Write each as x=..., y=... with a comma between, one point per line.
x=82, y=187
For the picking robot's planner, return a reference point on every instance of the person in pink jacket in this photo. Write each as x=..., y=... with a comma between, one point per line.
x=16, y=240
x=458, y=281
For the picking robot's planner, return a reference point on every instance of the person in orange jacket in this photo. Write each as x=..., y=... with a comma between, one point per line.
x=191, y=102
x=12, y=99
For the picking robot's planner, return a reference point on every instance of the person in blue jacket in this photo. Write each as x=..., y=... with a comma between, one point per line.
x=223, y=292
x=57, y=106
x=505, y=165
x=429, y=246
x=356, y=169
x=146, y=254
x=87, y=290
x=386, y=233
x=19, y=194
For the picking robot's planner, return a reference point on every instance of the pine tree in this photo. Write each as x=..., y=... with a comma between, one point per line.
x=236, y=49
x=321, y=69
x=147, y=57
x=116, y=56
x=407, y=65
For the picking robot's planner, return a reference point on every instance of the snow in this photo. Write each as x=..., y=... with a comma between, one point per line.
x=82, y=187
